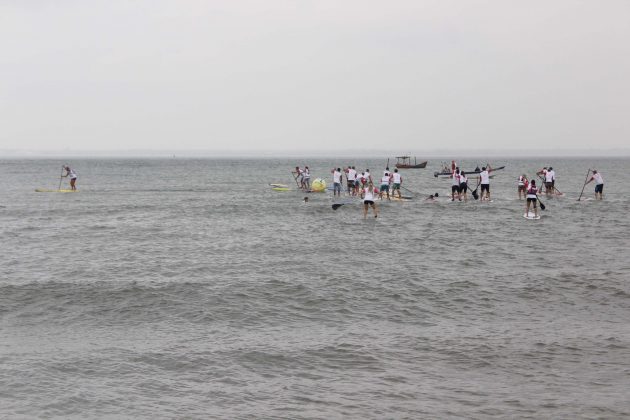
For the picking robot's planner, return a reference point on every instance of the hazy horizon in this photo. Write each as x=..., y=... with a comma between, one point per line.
x=462, y=154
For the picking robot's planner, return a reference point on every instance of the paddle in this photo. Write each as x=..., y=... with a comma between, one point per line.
x=542, y=205
x=295, y=179
x=583, y=186
x=409, y=191
x=61, y=177
x=474, y=192
x=337, y=205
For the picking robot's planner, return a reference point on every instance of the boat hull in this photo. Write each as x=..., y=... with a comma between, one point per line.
x=417, y=166
x=448, y=174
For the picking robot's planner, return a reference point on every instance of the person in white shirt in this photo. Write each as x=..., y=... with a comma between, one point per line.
x=547, y=178
x=397, y=180
x=455, y=185
x=73, y=176
x=299, y=174
x=367, y=176
x=337, y=178
x=484, y=180
x=351, y=176
x=385, y=180
x=599, y=184
x=306, y=178
x=368, y=195
x=463, y=186
x=549, y=181
x=553, y=179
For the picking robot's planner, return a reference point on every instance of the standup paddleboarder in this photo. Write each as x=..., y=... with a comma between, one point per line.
x=73, y=176
x=397, y=181
x=455, y=185
x=599, y=184
x=385, y=181
x=532, y=197
x=522, y=186
x=351, y=176
x=337, y=181
x=463, y=186
x=306, y=178
x=368, y=195
x=484, y=176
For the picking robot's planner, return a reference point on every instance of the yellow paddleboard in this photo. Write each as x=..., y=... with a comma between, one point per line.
x=59, y=191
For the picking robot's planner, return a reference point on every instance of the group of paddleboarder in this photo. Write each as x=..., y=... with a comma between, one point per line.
x=361, y=184
x=459, y=186
x=356, y=183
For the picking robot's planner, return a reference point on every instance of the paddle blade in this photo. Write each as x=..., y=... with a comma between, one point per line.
x=336, y=206
x=475, y=195
x=542, y=206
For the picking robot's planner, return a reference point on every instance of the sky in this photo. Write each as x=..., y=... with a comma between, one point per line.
x=315, y=76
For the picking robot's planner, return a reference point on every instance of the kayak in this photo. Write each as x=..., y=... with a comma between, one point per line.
x=473, y=172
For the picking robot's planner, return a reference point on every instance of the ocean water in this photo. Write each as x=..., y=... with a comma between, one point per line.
x=187, y=288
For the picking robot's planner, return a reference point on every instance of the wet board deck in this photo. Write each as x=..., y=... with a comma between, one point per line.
x=531, y=216
x=55, y=191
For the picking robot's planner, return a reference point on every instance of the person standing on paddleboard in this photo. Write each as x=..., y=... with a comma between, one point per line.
x=552, y=176
x=367, y=176
x=368, y=195
x=463, y=186
x=546, y=178
x=397, y=181
x=484, y=180
x=299, y=174
x=385, y=180
x=337, y=178
x=306, y=178
x=599, y=184
x=351, y=176
x=522, y=186
x=73, y=176
x=455, y=184
x=532, y=197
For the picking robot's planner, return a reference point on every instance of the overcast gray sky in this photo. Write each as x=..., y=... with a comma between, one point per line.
x=314, y=75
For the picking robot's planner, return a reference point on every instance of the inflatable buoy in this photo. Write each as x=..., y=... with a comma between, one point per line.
x=318, y=185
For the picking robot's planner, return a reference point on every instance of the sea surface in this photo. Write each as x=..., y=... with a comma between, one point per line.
x=188, y=288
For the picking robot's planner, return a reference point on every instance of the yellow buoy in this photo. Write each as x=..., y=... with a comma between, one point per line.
x=318, y=185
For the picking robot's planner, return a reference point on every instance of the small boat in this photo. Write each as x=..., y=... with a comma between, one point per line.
x=446, y=172
x=404, y=162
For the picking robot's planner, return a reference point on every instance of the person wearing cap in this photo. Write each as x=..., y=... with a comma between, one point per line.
x=599, y=184
x=73, y=176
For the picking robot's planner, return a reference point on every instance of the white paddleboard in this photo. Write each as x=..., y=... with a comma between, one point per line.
x=531, y=216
